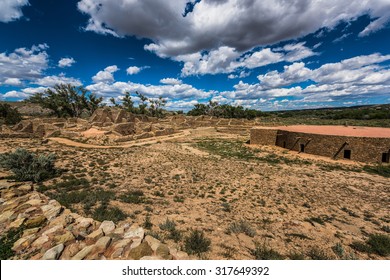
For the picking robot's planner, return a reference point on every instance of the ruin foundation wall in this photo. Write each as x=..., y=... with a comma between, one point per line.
x=363, y=149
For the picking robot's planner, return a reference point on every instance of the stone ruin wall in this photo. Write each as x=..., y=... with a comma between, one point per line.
x=363, y=149
x=263, y=137
x=123, y=125
x=52, y=232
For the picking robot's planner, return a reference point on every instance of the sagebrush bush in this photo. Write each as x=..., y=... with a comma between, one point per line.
x=262, y=252
x=28, y=166
x=197, y=243
x=377, y=244
x=241, y=227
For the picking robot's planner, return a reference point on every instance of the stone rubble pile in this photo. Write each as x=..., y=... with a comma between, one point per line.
x=51, y=232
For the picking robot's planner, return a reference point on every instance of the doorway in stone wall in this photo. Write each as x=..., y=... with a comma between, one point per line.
x=302, y=148
x=385, y=157
x=347, y=154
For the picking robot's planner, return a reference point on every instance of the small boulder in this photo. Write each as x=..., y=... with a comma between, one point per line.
x=137, y=233
x=53, y=253
x=107, y=227
x=141, y=251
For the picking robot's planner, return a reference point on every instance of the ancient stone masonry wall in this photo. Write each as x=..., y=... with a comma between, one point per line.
x=364, y=149
x=263, y=136
x=48, y=231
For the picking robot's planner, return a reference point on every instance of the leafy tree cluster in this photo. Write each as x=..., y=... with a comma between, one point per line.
x=67, y=100
x=147, y=106
x=224, y=111
x=28, y=166
x=9, y=115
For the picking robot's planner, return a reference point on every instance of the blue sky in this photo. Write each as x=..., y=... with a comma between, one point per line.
x=267, y=55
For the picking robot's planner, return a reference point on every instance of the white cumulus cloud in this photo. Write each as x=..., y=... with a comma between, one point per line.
x=132, y=70
x=66, y=62
x=23, y=64
x=11, y=10
x=106, y=75
x=238, y=24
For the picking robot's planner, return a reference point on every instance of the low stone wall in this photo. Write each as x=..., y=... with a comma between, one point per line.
x=48, y=231
x=363, y=149
x=260, y=136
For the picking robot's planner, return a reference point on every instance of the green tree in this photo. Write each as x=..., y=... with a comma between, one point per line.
x=9, y=115
x=67, y=100
x=156, y=107
x=142, y=107
x=127, y=103
x=198, y=110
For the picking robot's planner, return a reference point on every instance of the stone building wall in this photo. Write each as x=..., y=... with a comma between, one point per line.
x=364, y=149
x=261, y=136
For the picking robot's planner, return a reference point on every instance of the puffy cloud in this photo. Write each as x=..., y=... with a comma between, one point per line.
x=14, y=94
x=24, y=93
x=171, y=81
x=23, y=64
x=242, y=74
x=132, y=70
x=66, y=62
x=170, y=91
x=13, y=82
x=106, y=75
x=51, y=81
x=11, y=10
x=238, y=24
x=228, y=60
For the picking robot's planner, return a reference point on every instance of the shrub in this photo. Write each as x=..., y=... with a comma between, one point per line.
x=376, y=243
x=28, y=166
x=7, y=241
x=104, y=212
x=226, y=207
x=316, y=253
x=147, y=223
x=170, y=227
x=197, y=243
x=241, y=227
x=135, y=197
x=9, y=115
x=262, y=252
x=380, y=244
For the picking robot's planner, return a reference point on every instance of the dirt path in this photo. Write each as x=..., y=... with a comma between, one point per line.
x=140, y=142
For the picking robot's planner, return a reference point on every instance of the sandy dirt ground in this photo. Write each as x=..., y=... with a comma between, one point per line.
x=299, y=206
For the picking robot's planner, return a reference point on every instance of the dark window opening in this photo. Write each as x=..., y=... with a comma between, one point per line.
x=284, y=144
x=347, y=154
x=302, y=148
x=385, y=157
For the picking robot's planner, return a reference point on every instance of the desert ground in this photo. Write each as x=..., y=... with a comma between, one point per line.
x=250, y=201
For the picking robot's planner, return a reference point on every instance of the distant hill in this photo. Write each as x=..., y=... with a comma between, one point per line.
x=29, y=109
x=364, y=112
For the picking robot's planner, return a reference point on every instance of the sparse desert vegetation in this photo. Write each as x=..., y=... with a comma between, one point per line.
x=203, y=191
x=200, y=188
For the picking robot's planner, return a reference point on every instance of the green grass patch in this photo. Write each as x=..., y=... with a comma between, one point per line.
x=379, y=169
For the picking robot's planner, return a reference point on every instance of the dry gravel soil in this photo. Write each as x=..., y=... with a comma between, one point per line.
x=241, y=197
